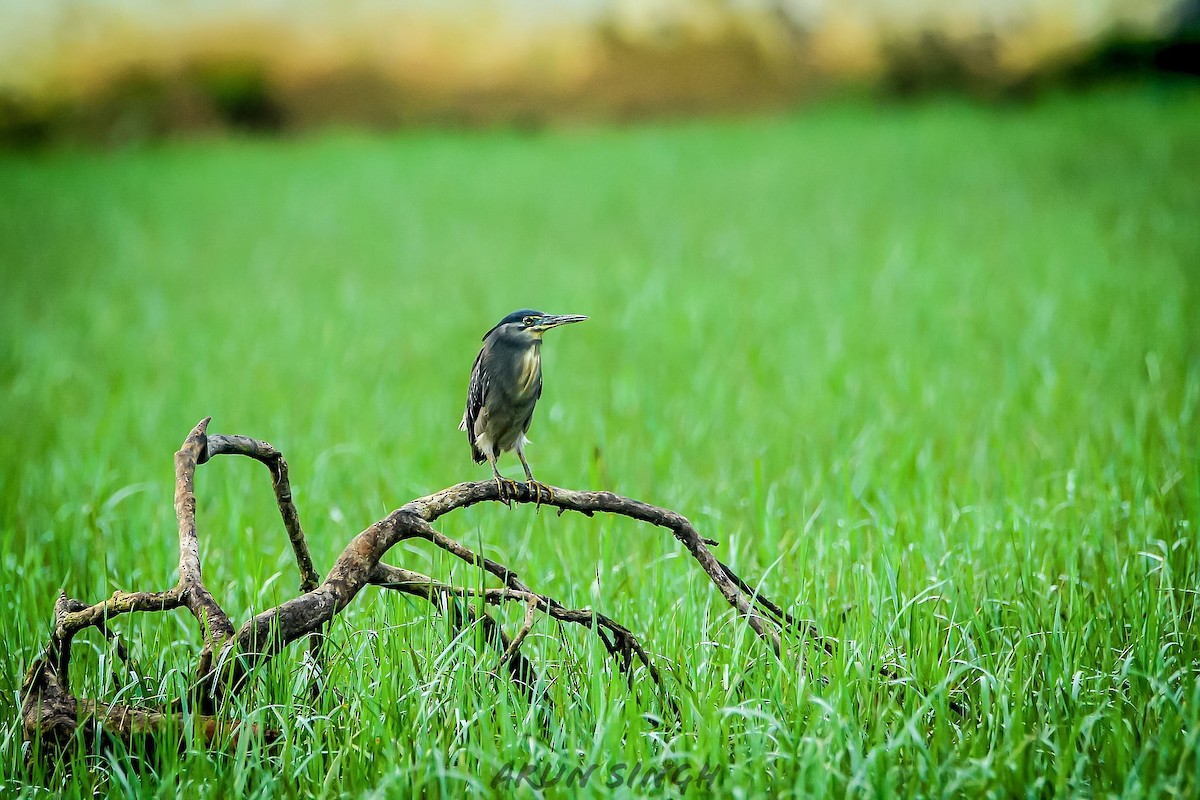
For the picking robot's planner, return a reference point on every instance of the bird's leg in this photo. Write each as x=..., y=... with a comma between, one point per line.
x=536, y=486
x=504, y=487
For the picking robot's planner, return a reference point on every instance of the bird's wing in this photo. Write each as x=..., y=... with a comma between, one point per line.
x=529, y=419
x=476, y=392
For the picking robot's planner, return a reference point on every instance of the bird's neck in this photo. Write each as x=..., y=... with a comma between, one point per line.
x=529, y=368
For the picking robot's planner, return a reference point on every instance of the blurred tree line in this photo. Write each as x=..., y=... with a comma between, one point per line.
x=120, y=70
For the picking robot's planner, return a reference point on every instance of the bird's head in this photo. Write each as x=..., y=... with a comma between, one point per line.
x=528, y=325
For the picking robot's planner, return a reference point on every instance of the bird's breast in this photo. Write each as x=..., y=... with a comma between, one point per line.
x=529, y=370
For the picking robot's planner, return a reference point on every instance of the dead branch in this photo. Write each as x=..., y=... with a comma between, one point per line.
x=269, y=456
x=214, y=622
x=229, y=657
x=520, y=670
x=264, y=453
x=61, y=716
x=531, y=606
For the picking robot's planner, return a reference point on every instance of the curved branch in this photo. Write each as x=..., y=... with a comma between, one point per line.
x=214, y=622
x=270, y=631
x=266, y=454
x=72, y=616
x=514, y=646
x=468, y=494
x=618, y=640
x=520, y=669
x=782, y=618
x=229, y=656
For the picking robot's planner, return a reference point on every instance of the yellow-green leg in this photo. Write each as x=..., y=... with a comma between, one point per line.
x=504, y=487
x=535, y=486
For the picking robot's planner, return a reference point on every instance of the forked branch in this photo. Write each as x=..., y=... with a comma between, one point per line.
x=229, y=657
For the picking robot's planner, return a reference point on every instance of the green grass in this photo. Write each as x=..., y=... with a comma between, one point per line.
x=930, y=373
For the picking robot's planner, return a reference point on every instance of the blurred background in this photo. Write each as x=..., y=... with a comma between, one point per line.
x=894, y=298
x=119, y=70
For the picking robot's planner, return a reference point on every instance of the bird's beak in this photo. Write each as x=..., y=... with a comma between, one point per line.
x=549, y=321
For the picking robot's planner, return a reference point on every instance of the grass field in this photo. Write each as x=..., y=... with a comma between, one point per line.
x=930, y=373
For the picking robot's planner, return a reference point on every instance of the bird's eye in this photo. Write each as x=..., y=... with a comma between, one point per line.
x=527, y=321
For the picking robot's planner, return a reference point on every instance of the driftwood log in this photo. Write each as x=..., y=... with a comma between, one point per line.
x=229, y=656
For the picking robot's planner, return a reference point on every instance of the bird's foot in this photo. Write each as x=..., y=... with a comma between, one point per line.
x=538, y=489
x=507, y=490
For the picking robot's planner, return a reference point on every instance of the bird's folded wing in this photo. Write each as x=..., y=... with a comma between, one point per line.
x=476, y=392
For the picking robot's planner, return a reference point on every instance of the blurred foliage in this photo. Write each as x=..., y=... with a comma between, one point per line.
x=112, y=72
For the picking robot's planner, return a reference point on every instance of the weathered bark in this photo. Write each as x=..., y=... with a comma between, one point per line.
x=229, y=657
x=264, y=453
x=59, y=716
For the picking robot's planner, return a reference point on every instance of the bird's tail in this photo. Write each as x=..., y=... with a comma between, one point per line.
x=476, y=453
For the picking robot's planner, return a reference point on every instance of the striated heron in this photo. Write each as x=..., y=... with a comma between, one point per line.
x=506, y=383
